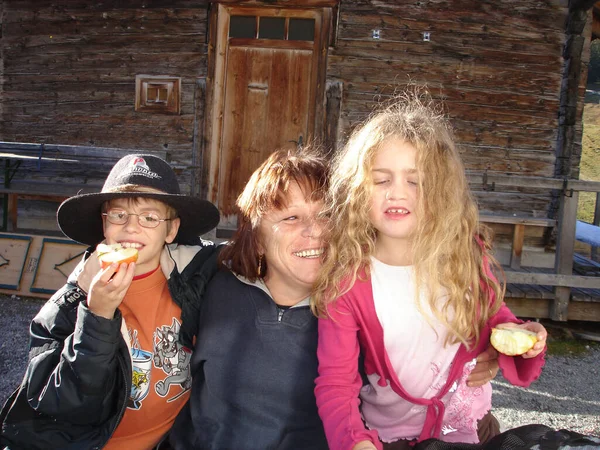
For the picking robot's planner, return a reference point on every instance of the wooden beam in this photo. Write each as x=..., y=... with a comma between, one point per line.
x=551, y=279
x=582, y=185
x=540, y=309
x=526, y=307
x=198, y=140
x=565, y=248
x=529, y=221
x=533, y=182
x=333, y=110
x=515, y=181
x=517, y=246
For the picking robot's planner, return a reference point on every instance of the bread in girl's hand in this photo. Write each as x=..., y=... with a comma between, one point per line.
x=513, y=341
x=108, y=254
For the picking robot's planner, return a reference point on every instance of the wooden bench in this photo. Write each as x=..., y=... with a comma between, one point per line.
x=519, y=224
x=54, y=172
x=535, y=291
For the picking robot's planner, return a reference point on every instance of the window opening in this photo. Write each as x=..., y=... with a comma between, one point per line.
x=301, y=30
x=242, y=27
x=271, y=28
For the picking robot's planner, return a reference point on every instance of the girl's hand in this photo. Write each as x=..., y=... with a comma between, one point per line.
x=486, y=368
x=540, y=332
x=108, y=288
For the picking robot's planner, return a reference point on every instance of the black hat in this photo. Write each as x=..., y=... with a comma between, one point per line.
x=80, y=217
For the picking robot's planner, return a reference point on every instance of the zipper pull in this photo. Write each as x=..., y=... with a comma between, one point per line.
x=280, y=314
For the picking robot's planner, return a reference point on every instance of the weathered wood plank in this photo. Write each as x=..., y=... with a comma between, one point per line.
x=117, y=21
x=448, y=46
x=22, y=48
x=447, y=72
x=514, y=290
x=529, y=221
x=540, y=308
x=553, y=280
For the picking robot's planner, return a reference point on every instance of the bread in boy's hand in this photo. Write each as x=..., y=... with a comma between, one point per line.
x=108, y=254
x=513, y=341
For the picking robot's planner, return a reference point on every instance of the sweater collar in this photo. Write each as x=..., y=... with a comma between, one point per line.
x=259, y=283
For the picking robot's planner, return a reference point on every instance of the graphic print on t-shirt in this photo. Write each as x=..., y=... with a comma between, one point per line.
x=168, y=357
x=141, y=372
x=173, y=358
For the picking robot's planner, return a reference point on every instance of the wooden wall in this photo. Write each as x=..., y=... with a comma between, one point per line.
x=70, y=68
x=69, y=72
x=497, y=64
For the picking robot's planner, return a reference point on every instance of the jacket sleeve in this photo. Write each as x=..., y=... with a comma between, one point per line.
x=72, y=370
x=339, y=382
x=516, y=369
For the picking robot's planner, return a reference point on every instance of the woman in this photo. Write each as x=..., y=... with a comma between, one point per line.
x=255, y=361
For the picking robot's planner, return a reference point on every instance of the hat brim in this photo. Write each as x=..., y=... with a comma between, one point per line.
x=80, y=219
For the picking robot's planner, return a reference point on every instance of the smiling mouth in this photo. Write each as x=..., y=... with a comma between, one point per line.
x=397, y=211
x=135, y=245
x=312, y=253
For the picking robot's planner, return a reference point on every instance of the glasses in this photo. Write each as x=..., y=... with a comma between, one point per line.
x=146, y=220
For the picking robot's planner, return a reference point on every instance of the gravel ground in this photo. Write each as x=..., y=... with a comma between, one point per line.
x=567, y=395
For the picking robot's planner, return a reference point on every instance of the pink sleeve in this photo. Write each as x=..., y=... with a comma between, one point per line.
x=517, y=370
x=339, y=381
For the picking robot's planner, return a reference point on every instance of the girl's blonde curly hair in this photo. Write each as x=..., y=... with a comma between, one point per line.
x=450, y=246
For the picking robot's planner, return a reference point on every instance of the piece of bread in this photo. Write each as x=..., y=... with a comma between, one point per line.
x=108, y=254
x=512, y=341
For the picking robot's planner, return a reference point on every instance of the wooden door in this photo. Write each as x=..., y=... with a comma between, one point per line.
x=268, y=76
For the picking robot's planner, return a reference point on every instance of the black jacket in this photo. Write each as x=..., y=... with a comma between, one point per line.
x=253, y=372
x=78, y=378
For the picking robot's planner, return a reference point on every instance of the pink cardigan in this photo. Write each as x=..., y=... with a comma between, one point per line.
x=354, y=326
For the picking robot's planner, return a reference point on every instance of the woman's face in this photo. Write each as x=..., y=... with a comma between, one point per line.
x=290, y=239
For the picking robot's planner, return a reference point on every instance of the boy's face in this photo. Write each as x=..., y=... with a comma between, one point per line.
x=148, y=241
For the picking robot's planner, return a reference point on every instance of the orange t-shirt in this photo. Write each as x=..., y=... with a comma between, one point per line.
x=161, y=366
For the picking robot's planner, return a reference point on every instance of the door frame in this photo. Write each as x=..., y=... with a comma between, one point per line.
x=218, y=25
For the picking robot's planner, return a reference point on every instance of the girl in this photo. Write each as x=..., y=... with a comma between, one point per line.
x=406, y=283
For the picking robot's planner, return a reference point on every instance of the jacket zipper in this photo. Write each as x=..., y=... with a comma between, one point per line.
x=280, y=314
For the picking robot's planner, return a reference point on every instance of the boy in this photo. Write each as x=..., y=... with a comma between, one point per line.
x=106, y=366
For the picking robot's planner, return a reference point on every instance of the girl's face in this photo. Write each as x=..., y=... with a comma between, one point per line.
x=394, y=197
x=290, y=239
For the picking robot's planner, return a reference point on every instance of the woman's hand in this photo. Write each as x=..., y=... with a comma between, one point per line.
x=535, y=327
x=486, y=368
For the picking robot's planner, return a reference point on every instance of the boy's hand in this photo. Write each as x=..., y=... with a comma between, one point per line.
x=108, y=288
x=535, y=327
x=486, y=368
x=91, y=267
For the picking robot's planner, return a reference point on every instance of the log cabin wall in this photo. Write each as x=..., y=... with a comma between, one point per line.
x=69, y=71
x=497, y=64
